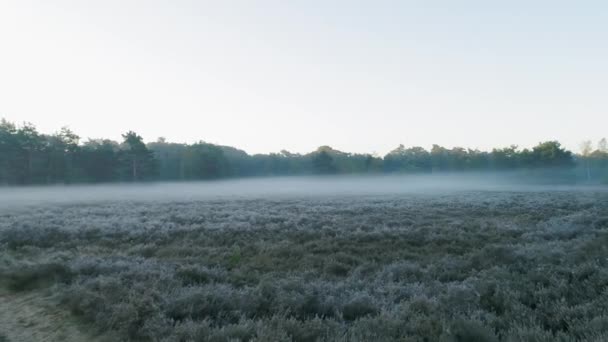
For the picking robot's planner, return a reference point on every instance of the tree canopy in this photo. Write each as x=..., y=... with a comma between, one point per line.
x=30, y=157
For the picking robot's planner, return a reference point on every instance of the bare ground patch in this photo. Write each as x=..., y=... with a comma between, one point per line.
x=33, y=317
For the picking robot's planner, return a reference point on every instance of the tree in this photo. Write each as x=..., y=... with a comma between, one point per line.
x=61, y=149
x=138, y=159
x=413, y=159
x=505, y=158
x=586, y=149
x=71, y=142
x=205, y=161
x=27, y=156
x=439, y=158
x=100, y=160
x=600, y=159
x=170, y=158
x=551, y=154
x=30, y=145
x=9, y=153
x=323, y=163
x=602, y=146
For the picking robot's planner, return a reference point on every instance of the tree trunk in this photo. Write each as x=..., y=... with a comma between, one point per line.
x=134, y=168
x=28, y=173
x=181, y=168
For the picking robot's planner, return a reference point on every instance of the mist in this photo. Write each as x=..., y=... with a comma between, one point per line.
x=275, y=187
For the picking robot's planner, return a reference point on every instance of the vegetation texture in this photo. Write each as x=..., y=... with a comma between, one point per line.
x=468, y=266
x=29, y=157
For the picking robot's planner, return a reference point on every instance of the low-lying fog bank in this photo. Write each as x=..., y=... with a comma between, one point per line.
x=273, y=187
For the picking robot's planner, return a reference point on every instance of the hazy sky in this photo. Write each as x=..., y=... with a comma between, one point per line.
x=360, y=76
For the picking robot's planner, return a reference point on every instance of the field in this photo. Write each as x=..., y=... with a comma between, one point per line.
x=454, y=266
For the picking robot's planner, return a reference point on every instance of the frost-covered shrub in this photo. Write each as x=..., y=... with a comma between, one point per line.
x=191, y=275
x=35, y=236
x=291, y=329
x=115, y=306
x=403, y=272
x=360, y=305
x=337, y=268
x=468, y=331
x=216, y=302
x=24, y=278
x=242, y=331
x=492, y=266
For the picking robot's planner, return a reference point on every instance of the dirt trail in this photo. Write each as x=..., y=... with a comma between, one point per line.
x=32, y=317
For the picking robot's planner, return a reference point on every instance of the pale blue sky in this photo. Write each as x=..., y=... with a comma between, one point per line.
x=360, y=76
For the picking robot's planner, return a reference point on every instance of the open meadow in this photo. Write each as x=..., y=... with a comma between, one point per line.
x=458, y=265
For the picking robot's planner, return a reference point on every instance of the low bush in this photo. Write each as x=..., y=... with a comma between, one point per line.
x=26, y=278
x=358, y=307
x=491, y=266
x=469, y=331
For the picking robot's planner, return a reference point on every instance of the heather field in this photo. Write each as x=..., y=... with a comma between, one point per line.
x=478, y=265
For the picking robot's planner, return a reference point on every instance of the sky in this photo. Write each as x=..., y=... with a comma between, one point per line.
x=268, y=75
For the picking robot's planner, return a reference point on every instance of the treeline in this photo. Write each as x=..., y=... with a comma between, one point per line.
x=30, y=157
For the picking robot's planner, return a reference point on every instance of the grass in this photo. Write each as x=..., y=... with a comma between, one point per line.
x=469, y=266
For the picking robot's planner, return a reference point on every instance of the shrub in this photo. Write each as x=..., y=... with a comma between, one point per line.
x=457, y=267
x=336, y=268
x=469, y=331
x=358, y=307
x=43, y=237
x=36, y=276
x=194, y=275
x=220, y=303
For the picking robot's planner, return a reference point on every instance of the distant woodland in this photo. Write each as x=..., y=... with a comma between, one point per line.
x=30, y=157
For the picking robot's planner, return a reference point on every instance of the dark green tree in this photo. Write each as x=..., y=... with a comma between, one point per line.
x=550, y=154
x=29, y=157
x=205, y=161
x=9, y=153
x=31, y=160
x=61, y=150
x=137, y=159
x=413, y=159
x=100, y=161
x=323, y=163
x=439, y=158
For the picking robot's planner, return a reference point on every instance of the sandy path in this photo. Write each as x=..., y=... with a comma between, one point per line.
x=32, y=317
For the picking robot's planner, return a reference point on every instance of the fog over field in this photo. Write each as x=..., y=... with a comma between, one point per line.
x=273, y=188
